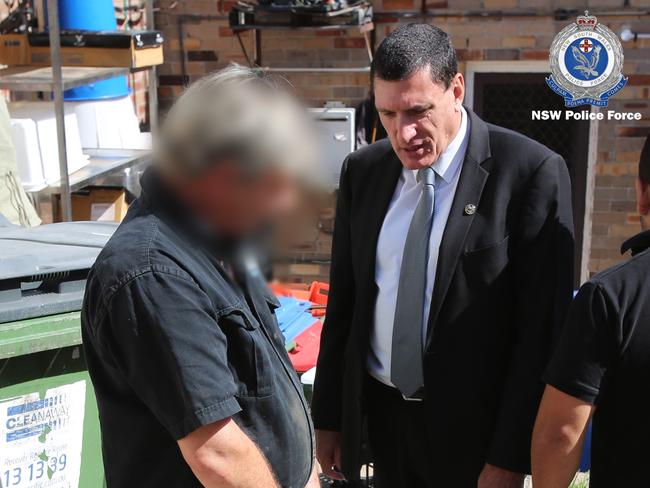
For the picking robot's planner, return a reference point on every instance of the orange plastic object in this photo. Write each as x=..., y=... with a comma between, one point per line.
x=298, y=291
x=316, y=293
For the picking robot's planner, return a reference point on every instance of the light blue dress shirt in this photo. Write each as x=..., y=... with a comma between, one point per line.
x=390, y=246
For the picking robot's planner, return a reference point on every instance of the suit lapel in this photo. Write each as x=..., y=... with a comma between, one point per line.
x=381, y=187
x=470, y=187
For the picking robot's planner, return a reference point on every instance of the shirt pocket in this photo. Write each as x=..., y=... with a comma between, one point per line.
x=249, y=354
x=485, y=265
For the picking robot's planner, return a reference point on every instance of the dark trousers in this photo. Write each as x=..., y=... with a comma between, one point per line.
x=396, y=432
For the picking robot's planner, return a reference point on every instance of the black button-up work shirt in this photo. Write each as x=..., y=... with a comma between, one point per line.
x=173, y=344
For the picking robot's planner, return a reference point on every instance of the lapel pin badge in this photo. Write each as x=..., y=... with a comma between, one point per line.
x=470, y=209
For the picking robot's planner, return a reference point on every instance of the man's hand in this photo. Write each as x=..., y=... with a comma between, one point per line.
x=493, y=477
x=328, y=453
x=314, y=481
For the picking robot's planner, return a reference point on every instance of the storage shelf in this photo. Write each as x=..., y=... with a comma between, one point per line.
x=30, y=79
x=245, y=16
x=103, y=162
x=56, y=79
x=323, y=27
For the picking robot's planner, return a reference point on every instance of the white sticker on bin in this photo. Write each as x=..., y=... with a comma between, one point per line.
x=41, y=438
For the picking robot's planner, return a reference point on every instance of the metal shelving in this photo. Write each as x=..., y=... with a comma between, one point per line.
x=258, y=18
x=29, y=79
x=102, y=162
x=56, y=79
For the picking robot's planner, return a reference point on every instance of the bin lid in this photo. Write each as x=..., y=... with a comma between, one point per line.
x=43, y=269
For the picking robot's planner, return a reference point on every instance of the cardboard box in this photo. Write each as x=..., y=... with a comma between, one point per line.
x=98, y=57
x=99, y=204
x=127, y=49
x=14, y=49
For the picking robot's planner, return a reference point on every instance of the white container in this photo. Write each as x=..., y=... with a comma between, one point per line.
x=28, y=154
x=109, y=124
x=42, y=114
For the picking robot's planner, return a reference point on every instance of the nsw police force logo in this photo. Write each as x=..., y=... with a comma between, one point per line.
x=586, y=62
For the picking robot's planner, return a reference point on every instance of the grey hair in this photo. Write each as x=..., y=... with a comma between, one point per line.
x=239, y=114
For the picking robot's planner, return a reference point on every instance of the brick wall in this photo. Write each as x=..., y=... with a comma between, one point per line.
x=505, y=30
x=210, y=44
x=500, y=35
x=619, y=146
x=135, y=18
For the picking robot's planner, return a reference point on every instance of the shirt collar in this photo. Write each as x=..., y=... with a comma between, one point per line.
x=452, y=157
x=637, y=244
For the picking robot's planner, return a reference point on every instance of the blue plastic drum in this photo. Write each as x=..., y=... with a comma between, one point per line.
x=87, y=14
x=93, y=15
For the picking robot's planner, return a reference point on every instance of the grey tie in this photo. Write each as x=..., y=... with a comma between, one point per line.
x=406, y=359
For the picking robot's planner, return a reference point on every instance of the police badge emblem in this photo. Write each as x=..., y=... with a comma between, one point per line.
x=586, y=62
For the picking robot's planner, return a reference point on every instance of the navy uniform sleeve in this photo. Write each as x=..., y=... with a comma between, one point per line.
x=165, y=338
x=586, y=347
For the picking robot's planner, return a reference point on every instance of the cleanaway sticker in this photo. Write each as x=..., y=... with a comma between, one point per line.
x=41, y=438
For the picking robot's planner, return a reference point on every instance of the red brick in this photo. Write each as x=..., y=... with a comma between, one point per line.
x=202, y=56
x=398, y=5
x=329, y=33
x=228, y=5
x=635, y=79
x=469, y=54
x=349, y=43
x=502, y=54
x=386, y=20
x=622, y=206
x=498, y=4
x=165, y=92
x=534, y=54
x=438, y=4
x=519, y=41
x=633, y=219
x=633, y=131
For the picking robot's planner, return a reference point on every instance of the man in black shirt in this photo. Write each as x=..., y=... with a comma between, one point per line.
x=602, y=367
x=192, y=379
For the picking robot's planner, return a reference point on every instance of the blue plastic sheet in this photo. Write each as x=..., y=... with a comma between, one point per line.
x=293, y=317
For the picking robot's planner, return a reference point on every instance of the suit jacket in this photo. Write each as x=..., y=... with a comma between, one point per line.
x=503, y=285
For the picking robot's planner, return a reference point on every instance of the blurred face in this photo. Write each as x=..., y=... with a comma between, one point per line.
x=421, y=117
x=238, y=203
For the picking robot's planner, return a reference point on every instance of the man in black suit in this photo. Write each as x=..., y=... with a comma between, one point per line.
x=451, y=274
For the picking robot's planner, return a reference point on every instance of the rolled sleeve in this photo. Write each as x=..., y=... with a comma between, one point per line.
x=166, y=341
